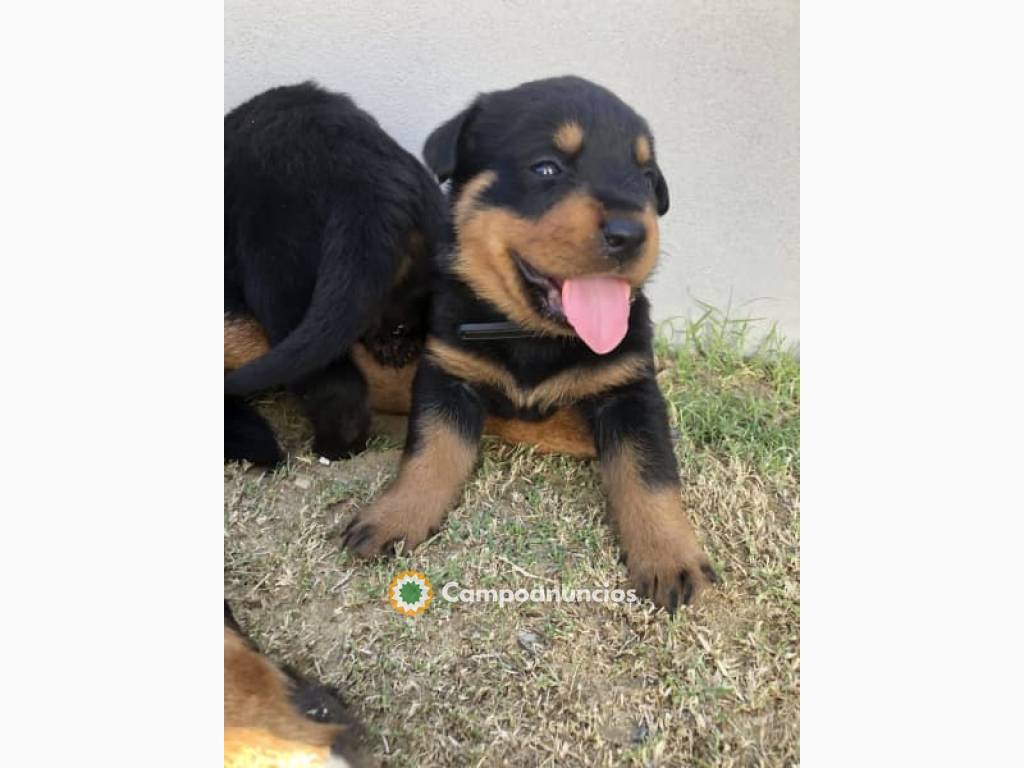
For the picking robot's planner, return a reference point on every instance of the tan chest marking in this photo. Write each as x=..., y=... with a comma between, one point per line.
x=569, y=386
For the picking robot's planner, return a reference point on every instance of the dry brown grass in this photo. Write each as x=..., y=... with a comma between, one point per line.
x=604, y=684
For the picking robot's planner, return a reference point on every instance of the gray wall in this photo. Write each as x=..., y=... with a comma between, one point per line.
x=717, y=80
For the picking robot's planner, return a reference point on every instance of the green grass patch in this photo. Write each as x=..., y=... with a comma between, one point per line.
x=731, y=393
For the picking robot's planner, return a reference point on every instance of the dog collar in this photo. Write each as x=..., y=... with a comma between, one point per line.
x=498, y=331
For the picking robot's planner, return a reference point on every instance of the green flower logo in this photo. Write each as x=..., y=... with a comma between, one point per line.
x=410, y=593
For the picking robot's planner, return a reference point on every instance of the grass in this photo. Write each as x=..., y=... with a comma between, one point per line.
x=594, y=684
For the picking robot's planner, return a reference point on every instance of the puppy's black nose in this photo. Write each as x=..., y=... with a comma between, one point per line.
x=622, y=237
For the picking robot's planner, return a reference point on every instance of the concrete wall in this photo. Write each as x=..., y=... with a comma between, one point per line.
x=717, y=80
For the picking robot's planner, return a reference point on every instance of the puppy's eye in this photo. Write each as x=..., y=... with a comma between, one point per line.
x=651, y=177
x=546, y=168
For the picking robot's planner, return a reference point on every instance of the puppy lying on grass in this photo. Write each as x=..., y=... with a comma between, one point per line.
x=556, y=194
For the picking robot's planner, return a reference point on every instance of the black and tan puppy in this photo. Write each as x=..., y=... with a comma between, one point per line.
x=329, y=231
x=275, y=717
x=556, y=194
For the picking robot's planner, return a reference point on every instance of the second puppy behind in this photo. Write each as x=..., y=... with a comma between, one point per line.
x=329, y=230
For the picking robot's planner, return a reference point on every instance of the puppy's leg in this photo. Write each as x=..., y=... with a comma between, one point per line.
x=660, y=548
x=440, y=452
x=335, y=399
x=247, y=435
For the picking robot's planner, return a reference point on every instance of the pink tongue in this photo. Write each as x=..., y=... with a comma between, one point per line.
x=598, y=308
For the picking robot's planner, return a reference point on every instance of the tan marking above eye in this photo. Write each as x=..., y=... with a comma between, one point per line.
x=569, y=137
x=642, y=150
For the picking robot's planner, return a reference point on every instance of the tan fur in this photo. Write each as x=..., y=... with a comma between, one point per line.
x=256, y=697
x=569, y=137
x=257, y=748
x=654, y=531
x=642, y=150
x=244, y=341
x=564, y=431
x=428, y=483
x=564, y=242
x=566, y=387
x=390, y=388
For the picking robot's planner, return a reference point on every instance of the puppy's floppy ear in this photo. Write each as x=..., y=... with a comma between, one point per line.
x=441, y=151
x=660, y=191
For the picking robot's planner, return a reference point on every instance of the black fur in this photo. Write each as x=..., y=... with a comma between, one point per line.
x=247, y=435
x=320, y=209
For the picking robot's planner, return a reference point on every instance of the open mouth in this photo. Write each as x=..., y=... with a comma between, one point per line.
x=596, y=307
x=545, y=292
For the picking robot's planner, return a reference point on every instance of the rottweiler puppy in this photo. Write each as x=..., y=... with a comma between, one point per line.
x=538, y=310
x=273, y=716
x=330, y=228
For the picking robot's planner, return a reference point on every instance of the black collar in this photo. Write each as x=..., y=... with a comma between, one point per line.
x=497, y=331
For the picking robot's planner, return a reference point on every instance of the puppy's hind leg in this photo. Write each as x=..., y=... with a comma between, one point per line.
x=336, y=401
x=247, y=435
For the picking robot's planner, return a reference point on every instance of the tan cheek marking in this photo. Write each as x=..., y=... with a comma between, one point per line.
x=569, y=137
x=244, y=341
x=469, y=193
x=642, y=150
x=564, y=241
x=483, y=261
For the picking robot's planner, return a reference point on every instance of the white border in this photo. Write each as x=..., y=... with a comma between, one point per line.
x=111, y=309
x=911, y=243
x=910, y=333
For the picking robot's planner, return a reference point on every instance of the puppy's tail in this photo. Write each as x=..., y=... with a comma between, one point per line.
x=357, y=265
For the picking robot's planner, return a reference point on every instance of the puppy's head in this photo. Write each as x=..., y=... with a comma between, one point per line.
x=556, y=195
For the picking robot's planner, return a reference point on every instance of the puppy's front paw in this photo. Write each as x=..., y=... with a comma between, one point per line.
x=378, y=529
x=668, y=575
